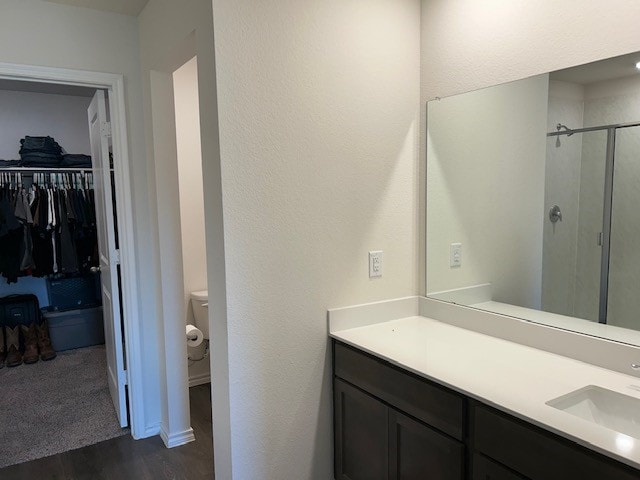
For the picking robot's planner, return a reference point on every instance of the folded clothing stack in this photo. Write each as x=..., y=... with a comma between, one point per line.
x=40, y=152
x=75, y=160
x=45, y=152
x=10, y=163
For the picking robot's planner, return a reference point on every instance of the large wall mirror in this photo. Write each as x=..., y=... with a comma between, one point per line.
x=533, y=199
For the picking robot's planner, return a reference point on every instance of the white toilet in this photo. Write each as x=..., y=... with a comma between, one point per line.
x=200, y=304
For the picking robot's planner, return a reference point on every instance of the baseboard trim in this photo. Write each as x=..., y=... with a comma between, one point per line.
x=176, y=439
x=201, y=379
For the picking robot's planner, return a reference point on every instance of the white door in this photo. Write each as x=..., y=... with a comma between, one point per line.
x=100, y=132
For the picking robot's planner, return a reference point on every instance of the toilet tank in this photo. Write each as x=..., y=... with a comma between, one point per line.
x=200, y=303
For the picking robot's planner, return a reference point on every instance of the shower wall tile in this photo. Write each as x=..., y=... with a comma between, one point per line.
x=562, y=188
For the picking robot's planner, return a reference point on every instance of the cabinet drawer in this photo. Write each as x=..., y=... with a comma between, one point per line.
x=420, y=398
x=537, y=454
x=485, y=469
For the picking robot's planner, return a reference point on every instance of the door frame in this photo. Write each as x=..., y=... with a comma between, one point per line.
x=114, y=84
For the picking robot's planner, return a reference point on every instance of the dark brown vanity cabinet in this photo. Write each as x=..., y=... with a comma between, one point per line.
x=374, y=440
x=393, y=425
x=536, y=453
x=486, y=469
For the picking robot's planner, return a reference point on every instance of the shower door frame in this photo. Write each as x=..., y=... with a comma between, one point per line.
x=605, y=239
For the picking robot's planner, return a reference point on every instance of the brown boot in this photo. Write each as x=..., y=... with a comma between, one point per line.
x=44, y=342
x=14, y=357
x=3, y=347
x=30, y=344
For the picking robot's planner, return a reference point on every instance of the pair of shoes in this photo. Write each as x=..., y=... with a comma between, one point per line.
x=37, y=344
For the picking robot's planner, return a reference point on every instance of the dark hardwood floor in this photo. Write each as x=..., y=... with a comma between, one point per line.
x=123, y=458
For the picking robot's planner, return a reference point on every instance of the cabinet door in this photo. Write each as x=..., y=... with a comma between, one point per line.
x=418, y=452
x=361, y=435
x=485, y=469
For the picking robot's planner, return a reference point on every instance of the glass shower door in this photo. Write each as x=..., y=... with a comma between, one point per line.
x=623, y=299
x=589, y=234
x=572, y=251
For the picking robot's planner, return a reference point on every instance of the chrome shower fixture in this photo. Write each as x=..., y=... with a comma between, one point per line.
x=559, y=127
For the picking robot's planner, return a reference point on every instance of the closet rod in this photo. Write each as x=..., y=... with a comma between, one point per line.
x=52, y=170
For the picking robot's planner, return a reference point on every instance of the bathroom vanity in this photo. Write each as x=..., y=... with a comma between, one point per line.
x=523, y=359
x=417, y=398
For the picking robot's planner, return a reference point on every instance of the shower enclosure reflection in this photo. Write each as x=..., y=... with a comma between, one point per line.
x=558, y=156
x=578, y=270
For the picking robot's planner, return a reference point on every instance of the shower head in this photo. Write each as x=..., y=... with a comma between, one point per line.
x=567, y=129
x=559, y=127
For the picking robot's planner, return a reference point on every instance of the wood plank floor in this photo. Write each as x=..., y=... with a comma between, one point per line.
x=123, y=458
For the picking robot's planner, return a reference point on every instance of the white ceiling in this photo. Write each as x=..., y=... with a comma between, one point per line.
x=609, y=69
x=126, y=7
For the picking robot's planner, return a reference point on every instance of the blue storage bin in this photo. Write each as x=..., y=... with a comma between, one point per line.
x=75, y=328
x=69, y=293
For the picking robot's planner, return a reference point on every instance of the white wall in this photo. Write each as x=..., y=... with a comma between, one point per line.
x=485, y=189
x=318, y=107
x=194, y=250
x=171, y=33
x=79, y=38
x=62, y=117
x=468, y=44
x=26, y=285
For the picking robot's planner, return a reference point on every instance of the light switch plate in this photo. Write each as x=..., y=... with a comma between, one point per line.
x=375, y=264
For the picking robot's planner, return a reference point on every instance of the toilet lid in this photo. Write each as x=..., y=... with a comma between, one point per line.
x=202, y=295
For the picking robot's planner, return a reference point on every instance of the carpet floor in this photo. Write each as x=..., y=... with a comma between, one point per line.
x=56, y=406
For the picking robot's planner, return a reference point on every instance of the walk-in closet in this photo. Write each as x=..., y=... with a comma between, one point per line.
x=61, y=349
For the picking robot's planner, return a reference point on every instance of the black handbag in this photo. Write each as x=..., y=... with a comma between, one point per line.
x=19, y=310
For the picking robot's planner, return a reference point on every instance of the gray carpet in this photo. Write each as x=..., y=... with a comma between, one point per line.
x=51, y=407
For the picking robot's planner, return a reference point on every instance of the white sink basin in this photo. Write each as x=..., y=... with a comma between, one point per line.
x=610, y=409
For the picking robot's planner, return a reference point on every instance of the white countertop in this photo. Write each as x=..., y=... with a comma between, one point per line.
x=511, y=377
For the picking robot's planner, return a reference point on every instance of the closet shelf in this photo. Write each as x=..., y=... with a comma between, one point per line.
x=53, y=170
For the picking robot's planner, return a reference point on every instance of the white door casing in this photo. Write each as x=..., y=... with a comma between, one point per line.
x=142, y=425
x=99, y=130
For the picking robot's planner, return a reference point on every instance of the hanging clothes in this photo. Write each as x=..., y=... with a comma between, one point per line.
x=48, y=228
x=11, y=235
x=68, y=253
